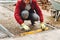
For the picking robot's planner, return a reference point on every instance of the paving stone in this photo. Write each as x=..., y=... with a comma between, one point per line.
x=3, y=35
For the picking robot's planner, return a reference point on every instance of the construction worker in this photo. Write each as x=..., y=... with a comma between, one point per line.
x=28, y=10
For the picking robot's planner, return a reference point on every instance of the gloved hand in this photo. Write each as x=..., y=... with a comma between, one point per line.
x=25, y=27
x=42, y=25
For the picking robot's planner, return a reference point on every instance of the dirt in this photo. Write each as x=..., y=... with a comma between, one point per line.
x=53, y=22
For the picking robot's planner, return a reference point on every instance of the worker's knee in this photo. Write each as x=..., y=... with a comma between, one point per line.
x=25, y=14
x=35, y=17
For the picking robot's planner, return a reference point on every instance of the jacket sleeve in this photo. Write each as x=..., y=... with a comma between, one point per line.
x=17, y=13
x=38, y=11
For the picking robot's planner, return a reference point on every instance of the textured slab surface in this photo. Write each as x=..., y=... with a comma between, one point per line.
x=50, y=35
x=3, y=35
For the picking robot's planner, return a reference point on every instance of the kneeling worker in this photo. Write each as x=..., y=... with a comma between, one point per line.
x=28, y=10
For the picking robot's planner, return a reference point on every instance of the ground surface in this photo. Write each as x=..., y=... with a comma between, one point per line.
x=7, y=20
x=48, y=35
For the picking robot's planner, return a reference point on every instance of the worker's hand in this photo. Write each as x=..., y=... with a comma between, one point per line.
x=42, y=25
x=25, y=27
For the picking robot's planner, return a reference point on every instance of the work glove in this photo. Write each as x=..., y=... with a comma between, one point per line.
x=26, y=28
x=42, y=25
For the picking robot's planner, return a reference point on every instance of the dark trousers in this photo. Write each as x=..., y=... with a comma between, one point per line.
x=31, y=17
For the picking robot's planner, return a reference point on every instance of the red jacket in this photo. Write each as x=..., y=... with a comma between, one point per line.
x=21, y=5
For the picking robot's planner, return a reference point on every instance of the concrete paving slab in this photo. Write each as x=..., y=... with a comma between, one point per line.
x=3, y=35
x=3, y=29
x=5, y=13
x=48, y=35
